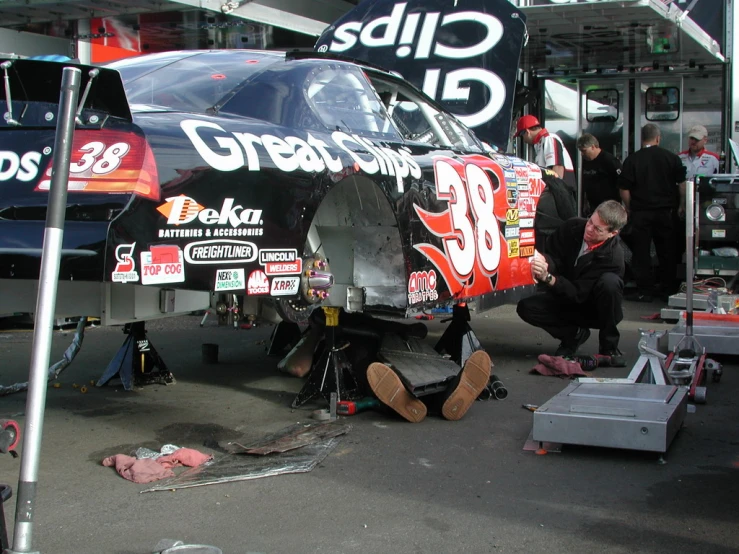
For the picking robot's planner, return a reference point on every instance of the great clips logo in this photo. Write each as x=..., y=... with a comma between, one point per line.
x=421, y=39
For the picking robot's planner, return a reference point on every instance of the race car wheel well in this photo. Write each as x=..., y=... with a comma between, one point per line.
x=355, y=228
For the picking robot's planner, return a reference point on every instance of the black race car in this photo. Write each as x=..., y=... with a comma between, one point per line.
x=296, y=180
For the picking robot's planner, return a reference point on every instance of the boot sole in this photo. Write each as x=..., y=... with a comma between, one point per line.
x=473, y=379
x=389, y=390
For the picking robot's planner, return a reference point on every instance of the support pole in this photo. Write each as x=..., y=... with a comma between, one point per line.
x=45, y=307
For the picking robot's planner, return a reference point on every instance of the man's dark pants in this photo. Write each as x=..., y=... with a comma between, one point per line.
x=561, y=317
x=657, y=225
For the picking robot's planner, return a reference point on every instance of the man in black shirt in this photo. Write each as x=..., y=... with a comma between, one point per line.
x=581, y=283
x=600, y=171
x=652, y=187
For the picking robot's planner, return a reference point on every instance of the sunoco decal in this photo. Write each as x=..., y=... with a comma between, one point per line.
x=162, y=264
x=230, y=279
x=125, y=268
x=230, y=220
x=220, y=251
x=285, y=286
x=257, y=283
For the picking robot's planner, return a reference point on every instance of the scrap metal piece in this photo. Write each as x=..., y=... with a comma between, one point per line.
x=295, y=436
x=227, y=469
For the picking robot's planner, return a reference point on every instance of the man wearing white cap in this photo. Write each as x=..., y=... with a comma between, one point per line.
x=696, y=159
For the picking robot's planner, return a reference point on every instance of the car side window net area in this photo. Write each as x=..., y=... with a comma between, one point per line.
x=419, y=121
x=343, y=100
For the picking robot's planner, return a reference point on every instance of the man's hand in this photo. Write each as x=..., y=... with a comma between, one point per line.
x=539, y=267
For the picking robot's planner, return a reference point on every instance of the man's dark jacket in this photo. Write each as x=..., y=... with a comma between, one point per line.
x=576, y=281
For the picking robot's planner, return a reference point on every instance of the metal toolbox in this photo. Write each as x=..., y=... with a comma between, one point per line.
x=637, y=416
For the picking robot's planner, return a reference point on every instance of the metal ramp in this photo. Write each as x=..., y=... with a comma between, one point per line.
x=421, y=368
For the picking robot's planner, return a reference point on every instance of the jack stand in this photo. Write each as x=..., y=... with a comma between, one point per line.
x=137, y=361
x=328, y=373
x=285, y=336
x=649, y=368
x=459, y=340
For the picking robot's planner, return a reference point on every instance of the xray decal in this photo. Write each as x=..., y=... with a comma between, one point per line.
x=463, y=54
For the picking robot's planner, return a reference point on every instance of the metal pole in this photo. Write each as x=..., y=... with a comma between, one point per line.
x=689, y=254
x=45, y=306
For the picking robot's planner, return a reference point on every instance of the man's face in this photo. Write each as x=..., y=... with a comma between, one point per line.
x=596, y=230
x=528, y=136
x=696, y=145
x=588, y=152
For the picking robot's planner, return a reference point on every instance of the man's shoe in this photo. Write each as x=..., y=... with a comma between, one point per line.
x=389, y=390
x=467, y=386
x=616, y=356
x=569, y=348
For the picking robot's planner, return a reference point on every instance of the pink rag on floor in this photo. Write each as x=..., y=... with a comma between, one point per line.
x=557, y=366
x=138, y=471
x=184, y=457
x=147, y=470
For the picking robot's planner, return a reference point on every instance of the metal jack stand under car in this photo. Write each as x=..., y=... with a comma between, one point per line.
x=332, y=370
x=643, y=411
x=422, y=369
x=137, y=362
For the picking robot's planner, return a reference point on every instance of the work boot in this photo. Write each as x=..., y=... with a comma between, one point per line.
x=616, y=356
x=568, y=348
x=466, y=386
x=389, y=390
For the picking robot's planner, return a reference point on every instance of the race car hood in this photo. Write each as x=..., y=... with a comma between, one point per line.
x=463, y=54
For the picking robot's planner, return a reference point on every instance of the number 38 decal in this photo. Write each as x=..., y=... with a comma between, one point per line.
x=471, y=239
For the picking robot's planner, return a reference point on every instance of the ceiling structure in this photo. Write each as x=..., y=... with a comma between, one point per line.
x=607, y=35
x=580, y=36
x=296, y=15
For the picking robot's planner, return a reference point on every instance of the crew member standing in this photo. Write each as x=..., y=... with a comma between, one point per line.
x=696, y=159
x=550, y=151
x=600, y=172
x=652, y=188
x=558, y=200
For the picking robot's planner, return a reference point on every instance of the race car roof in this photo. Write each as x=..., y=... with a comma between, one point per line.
x=610, y=34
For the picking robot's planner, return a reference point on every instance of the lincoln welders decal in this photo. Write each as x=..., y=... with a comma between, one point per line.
x=125, y=268
x=220, y=251
x=463, y=54
x=470, y=228
x=280, y=262
x=162, y=264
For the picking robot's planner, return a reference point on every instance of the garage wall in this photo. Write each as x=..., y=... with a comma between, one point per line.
x=32, y=44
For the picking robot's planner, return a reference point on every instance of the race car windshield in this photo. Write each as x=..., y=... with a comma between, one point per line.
x=185, y=82
x=344, y=101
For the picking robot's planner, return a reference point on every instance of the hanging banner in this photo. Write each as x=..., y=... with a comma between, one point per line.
x=465, y=55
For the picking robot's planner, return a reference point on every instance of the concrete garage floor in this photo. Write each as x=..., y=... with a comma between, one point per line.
x=390, y=486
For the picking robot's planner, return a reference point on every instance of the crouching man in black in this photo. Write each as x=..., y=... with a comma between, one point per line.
x=582, y=280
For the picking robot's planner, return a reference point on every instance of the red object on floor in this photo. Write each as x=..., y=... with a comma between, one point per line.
x=425, y=317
